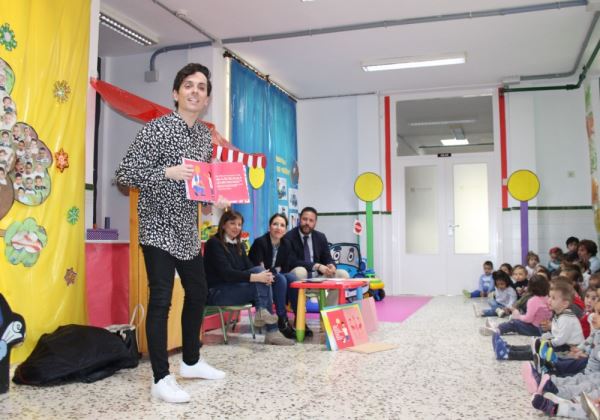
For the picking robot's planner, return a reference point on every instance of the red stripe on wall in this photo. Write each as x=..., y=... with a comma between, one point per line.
x=388, y=158
x=503, y=162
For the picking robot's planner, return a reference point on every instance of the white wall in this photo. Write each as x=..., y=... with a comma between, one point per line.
x=338, y=139
x=546, y=134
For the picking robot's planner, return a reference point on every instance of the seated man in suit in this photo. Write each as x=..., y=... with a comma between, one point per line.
x=310, y=254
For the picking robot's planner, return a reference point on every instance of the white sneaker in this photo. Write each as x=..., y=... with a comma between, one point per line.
x=200, y=370
x=168, y=390
x=487, y=330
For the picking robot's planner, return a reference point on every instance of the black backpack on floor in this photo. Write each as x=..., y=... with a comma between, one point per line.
x=75, y=353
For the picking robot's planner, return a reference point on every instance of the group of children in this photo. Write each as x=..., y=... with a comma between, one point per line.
x=558, y=307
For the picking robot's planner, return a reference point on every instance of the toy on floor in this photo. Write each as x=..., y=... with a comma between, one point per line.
x=12, y=332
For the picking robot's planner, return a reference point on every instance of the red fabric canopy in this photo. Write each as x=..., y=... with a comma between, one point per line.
x=143, y=110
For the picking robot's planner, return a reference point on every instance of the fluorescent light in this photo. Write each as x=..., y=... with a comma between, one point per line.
x=430, y=123
x=126, y=31
x=414, y=62
x=455, y=142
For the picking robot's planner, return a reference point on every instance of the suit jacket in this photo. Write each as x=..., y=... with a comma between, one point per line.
x=320, y=246
x=262, y=252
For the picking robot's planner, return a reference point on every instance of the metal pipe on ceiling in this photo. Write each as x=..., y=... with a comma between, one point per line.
x=571, y=86
x=151, y=75
x=408, y=21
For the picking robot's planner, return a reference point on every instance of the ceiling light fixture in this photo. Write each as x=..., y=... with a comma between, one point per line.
x=126, y=31
x=455, y=142
x=430, y=123
x=414, y=62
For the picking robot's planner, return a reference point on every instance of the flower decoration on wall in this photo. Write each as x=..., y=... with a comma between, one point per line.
x=70, y=276
x=73, y=215
x=24, y=242
x=7, y=37
x=62, y=160
x=62, y=90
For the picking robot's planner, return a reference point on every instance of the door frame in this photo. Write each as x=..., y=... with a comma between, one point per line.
x=397, y=172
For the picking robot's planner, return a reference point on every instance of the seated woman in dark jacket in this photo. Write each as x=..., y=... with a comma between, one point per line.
x=232, y=279
x=272, y=251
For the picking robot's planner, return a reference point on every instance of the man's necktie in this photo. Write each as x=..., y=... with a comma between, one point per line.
x=307, y=254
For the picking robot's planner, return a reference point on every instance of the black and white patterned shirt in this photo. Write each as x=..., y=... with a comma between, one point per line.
x=167, y=219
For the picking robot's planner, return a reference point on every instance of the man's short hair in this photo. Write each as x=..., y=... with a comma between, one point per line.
x=188, y=70
x=310, y=209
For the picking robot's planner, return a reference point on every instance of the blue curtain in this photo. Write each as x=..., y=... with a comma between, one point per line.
x=264, y=121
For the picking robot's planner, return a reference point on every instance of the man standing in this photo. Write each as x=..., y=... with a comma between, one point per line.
x=168, y=226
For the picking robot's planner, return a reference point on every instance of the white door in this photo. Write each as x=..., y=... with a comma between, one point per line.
x=447, y=221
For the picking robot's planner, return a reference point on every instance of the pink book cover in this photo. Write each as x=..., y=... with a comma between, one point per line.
x=219, y=179
x=344, y=326
x=369, y=314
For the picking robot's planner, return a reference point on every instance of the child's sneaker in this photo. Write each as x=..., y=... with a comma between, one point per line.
x=500, y=347
x=545, y=405
x=487, y=331
x=500, y=313
x=546, y=385
x=531, y=377
x=477, y=311
x=546, y=352
x=466, y=294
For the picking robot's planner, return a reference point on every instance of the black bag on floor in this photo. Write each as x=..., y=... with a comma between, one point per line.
x=74, y=353
x=127, y=333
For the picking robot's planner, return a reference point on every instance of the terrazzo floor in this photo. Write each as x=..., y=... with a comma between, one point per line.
x=442, y=369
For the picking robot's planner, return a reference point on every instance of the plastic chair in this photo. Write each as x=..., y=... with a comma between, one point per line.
x=233, y=312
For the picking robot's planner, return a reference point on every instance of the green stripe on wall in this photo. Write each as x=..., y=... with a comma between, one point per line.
x=352, y=213
x=551, y=208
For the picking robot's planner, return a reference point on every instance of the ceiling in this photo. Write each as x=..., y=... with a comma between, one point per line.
x=497, y=47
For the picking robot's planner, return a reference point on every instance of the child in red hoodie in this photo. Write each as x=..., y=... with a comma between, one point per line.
x=591, y=297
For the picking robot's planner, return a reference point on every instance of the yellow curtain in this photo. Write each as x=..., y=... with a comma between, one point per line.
x=44, y=47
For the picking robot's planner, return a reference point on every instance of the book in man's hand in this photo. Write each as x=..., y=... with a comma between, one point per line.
x=214, y=180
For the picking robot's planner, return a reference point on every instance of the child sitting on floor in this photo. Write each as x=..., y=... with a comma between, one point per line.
x=504, y=296
x=507, y=268
x=486, y=282
x=521, y=280
x=537, y=311
x=533, y=260
x=565, y=328
x=556, y=256
x=591, y=297
x=566, y=388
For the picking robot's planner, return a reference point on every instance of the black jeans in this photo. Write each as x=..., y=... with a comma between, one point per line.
x=160, y=267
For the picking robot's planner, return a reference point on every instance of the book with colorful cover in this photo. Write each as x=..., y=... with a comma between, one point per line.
x=219, y=179
x=344, y=326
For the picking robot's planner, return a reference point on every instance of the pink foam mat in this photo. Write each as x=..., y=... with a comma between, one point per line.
x=399, y=308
